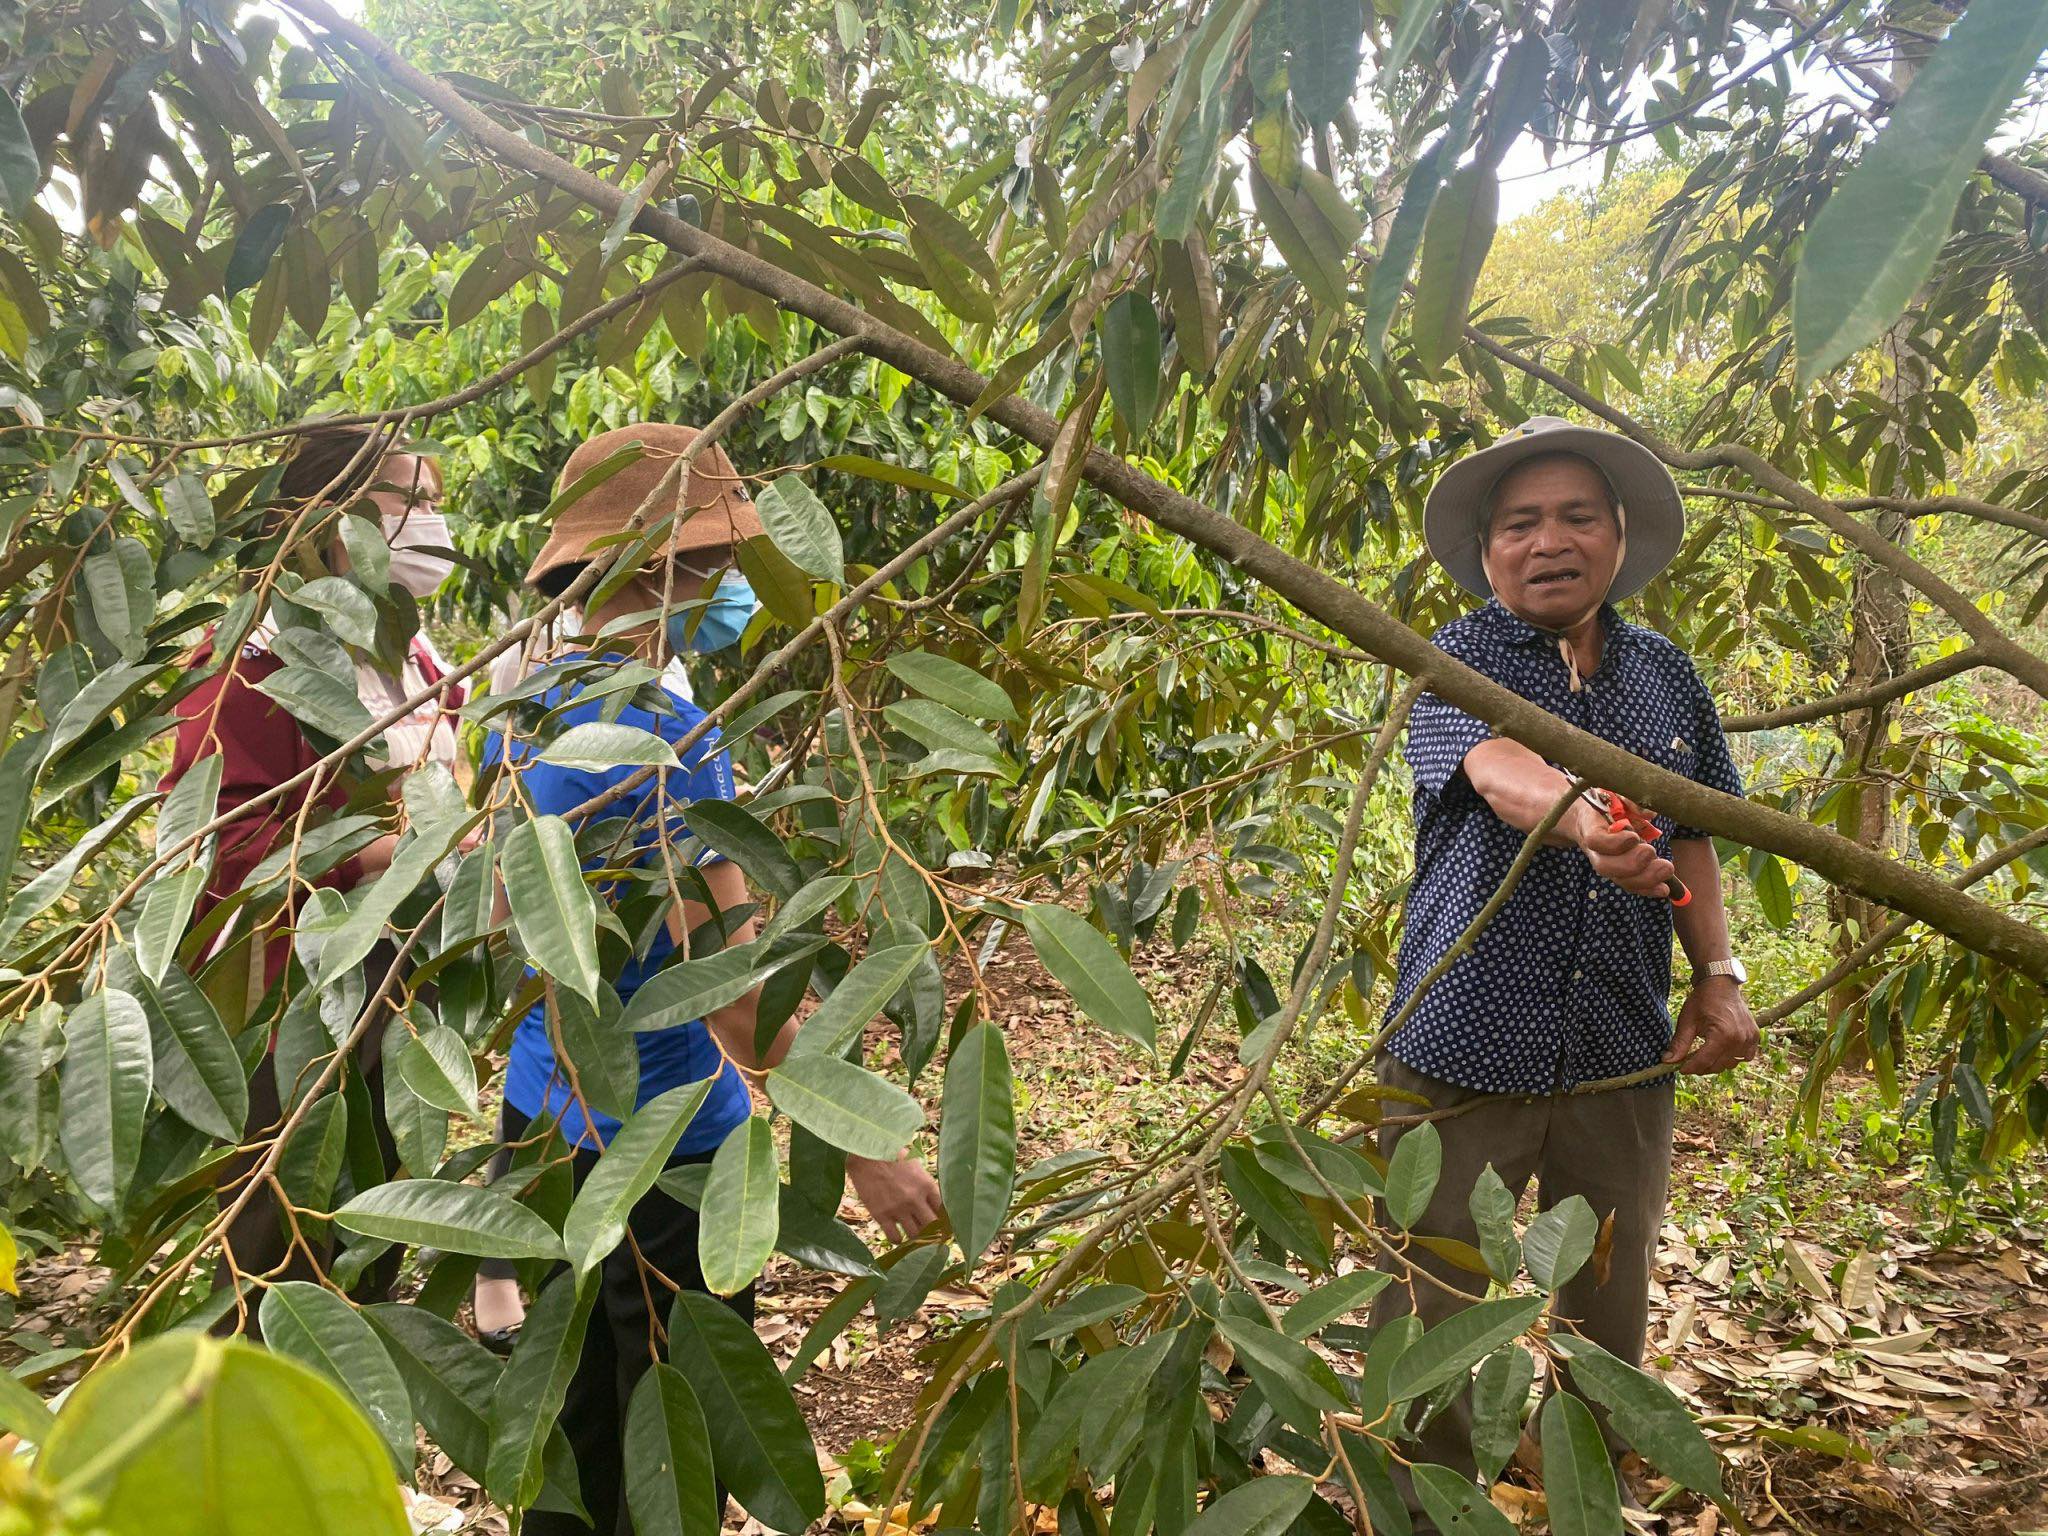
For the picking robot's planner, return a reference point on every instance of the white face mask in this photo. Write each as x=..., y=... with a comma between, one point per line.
x=413, y=539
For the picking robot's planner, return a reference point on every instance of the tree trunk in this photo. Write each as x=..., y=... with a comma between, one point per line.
x=1880, y=648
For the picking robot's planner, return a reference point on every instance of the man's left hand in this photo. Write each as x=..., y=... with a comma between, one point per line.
x=1715, y=1030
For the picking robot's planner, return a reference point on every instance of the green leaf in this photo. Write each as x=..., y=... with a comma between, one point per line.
x=1322, y=40
x=1412, y=1173
x=598, y=744
x=377, y=900
x=1418, y=193
x=759, y=1442
x=1559, y=1241
x=193, y=802
x=946, y=681
x=239, y=1441
x=737, y=834
x=687, y=991
x=1196, y=146
x=311, y=1160
x=978, y=1139
x=460, y=1218
x=1415, y=15
x=1457, y=1505
x=670, y=1482
x=602, y=1050
x=345, y=606
x=1094, y=974
x=1130, y=356
x=109, y=1067
x=319, y=699
x=1493, y=1216
x=798, y=525
x=1876, y=239
x=435, y=1065
x=908, y=1282
x=1773, y=891
x=1646, y=1412
x=531, y=1389
x=20, y=171
x=742, y=1209
x=196, y=1068
x=1260, y=1506
x=1091, y=1304
x=816, y=897
x=1293, y=1377
x=315, y=1326
x=1273, y=1207
x=1499, y=1393
x=1578, y=1479
x=934, y=725
x=189, y=508
x=19, y=764
x=419, y=1130
x=553, y=911
x=1333, y=1300
x=166, y=911
x=1313, y=248
x=121, y=583
x=817, y=1239
x=844, y=1105
x=894, y=474
x=859, y=998
x=449, y=1378
x=22, y=1412
x=956, y=265
x=1455, y=240
x=254, y=246
x=625, y=1171
x=1459, y=1342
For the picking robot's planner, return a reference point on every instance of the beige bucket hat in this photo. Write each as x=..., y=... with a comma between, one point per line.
x=1453, y=515
x=715, y=511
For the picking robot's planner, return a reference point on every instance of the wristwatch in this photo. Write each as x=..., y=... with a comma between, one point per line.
x=1730, y=967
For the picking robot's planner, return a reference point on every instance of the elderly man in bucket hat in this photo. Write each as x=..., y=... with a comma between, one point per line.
x=1567, y=987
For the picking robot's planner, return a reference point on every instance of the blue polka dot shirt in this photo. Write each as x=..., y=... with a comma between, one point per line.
x=1569, y=982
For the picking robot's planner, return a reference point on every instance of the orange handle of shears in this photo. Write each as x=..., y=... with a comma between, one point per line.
x=1624, y=816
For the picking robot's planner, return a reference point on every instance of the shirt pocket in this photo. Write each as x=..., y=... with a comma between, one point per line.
x=1664, y=738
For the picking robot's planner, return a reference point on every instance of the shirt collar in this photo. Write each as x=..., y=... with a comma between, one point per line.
x=1516, y=630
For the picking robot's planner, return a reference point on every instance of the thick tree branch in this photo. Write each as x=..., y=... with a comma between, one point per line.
x=1858, y=698
x=1883, y=939
x=1314, y=592
x=1932, y=506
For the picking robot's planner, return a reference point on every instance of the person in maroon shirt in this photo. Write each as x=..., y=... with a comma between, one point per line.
x=261, y=747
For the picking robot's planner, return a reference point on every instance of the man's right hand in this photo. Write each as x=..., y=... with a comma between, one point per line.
x=1621, y=856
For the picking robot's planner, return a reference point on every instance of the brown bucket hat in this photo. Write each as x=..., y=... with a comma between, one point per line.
x=716, y=512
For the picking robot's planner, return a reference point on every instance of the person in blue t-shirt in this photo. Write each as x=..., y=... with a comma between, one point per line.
x=713, y=514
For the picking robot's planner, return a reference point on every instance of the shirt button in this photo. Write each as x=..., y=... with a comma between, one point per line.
x=1592, y=895
x=1578, y=975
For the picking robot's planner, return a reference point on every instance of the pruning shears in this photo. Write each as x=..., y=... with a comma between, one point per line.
x=1624, y=815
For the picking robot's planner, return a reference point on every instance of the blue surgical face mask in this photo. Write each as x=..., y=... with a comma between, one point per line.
x=723, y=620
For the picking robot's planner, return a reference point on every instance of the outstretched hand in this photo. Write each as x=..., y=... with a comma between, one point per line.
x=901, y=1195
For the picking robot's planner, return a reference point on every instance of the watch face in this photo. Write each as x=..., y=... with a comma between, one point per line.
x=1735, y=968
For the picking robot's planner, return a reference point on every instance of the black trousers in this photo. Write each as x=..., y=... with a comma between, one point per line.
x=619, y=1344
